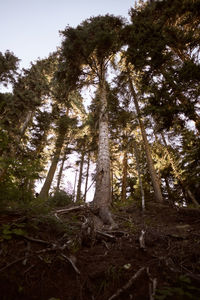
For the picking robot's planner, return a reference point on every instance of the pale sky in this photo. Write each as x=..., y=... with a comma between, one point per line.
x=30, y=28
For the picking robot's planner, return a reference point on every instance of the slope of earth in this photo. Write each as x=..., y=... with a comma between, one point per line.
x=151, y=255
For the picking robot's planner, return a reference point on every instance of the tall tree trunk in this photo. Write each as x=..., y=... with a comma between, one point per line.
x=112, y=183
x=102, y=197
x=154, y=179
x=74, y=189
x=87, y=176
x=61, y=170
x=47, y=184
x=139, y=173
x=124, y=177
x=78, y=195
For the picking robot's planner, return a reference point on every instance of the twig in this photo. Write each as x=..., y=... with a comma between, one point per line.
x=128, y=284
x=72, y=263
x=66, y=210
x=12, y=263
x=112, y=237
x=119, y=233
x=36, y=240
x=53, y=248
x=29, y=268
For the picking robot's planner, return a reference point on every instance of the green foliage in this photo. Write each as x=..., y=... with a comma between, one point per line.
x=91, y=43
x=8, y=66
x=9, y=230
x=60, y=198
x=11, y=195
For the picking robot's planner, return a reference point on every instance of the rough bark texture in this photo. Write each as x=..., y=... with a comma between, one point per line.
x=102, y=197
x=154, y=179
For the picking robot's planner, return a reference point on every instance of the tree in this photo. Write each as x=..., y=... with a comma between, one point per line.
x=8, y=67
x=81, y=145
x=30, y=92
x=126, y=79
x=93, y=43
x=163, y=45
x=64, y=123
x=156, y=186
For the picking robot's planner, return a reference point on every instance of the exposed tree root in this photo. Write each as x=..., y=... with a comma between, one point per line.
x=70, y=259
x=53, y=247
x=128, y=284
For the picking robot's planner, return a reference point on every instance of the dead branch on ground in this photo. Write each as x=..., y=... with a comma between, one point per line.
x=128, y=284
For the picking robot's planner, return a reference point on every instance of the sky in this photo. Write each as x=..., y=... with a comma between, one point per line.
x=30, y=28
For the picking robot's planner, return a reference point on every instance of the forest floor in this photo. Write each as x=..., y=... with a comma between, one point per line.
x=151, y=255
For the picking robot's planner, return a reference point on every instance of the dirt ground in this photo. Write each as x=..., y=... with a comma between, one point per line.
x=151, y=255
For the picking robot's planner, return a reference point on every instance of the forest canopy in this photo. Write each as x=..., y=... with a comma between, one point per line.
x=140, y=128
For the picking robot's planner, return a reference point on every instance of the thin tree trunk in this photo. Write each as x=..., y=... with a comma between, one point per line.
x=124, y=177
x=87, y=176
x=74, y=189
x=102, y=197
x=139, y=174
x=61, y=170
x=154, y=179
x=78, y=195
x=112, y=182
x=47, y=184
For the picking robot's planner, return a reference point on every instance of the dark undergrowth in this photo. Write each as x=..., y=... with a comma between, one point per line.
x=55, y=253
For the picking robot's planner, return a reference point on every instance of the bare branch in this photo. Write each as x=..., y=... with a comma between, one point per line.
x=128, y=284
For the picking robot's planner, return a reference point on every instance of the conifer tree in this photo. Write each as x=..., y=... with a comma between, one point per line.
x=93, y=43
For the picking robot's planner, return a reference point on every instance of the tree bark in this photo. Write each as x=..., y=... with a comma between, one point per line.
x=47, y=184
x=78, y=195
x=102, y=197
x=139, y=174
x=124, y=177
x=74, y=189
x=61, y=170
x=154, y=179
x=87, y=176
